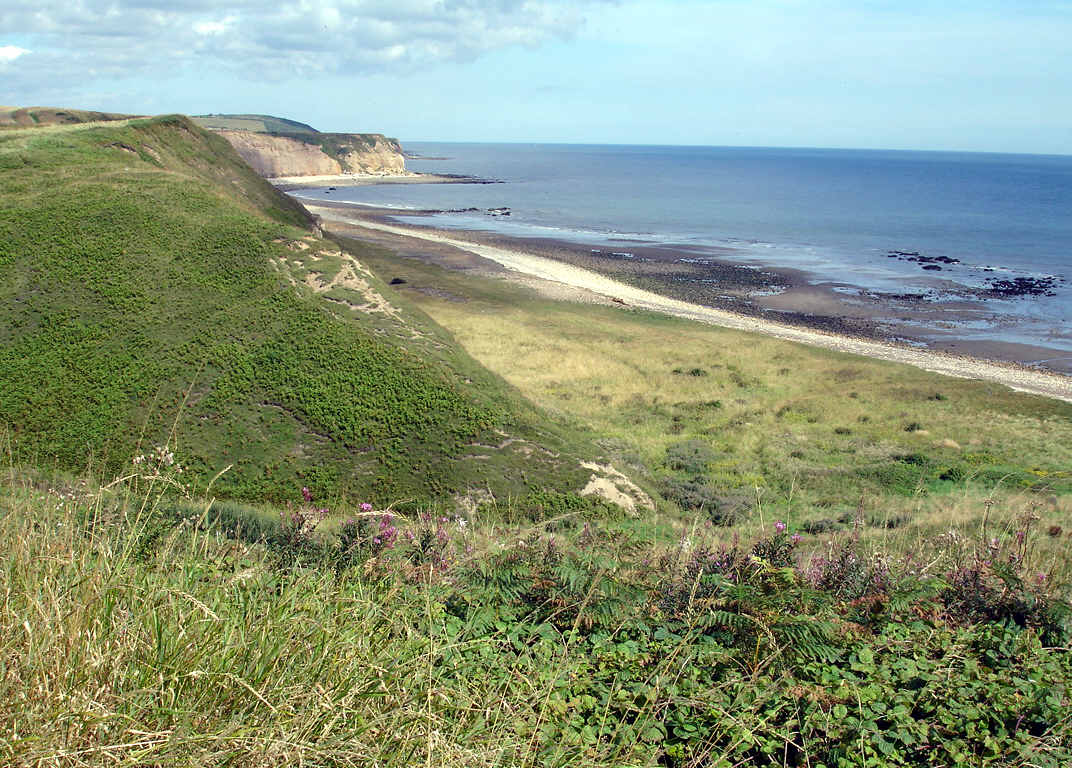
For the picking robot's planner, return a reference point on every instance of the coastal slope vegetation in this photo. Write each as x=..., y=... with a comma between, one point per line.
x=154, y=291
x=736, y=428
x=162, y=302
x=139, y=630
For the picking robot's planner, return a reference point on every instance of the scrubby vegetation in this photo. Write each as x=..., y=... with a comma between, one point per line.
x=737, y=428
x=148, y=278
x=144, y=628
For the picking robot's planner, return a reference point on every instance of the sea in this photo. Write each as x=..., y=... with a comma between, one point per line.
x=940, y=226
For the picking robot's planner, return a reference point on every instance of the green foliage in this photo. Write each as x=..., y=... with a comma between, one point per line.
x=543, y=504
x=691, y=457
x=750, y=655
x=148, y=300
x=152, y=629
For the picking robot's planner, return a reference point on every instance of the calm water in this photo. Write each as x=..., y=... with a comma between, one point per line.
x=836, y=214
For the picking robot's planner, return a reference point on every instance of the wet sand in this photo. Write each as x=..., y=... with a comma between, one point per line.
x=779, y=303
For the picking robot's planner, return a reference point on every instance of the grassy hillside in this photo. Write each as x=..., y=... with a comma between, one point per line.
x=254, y=123
x=23, y=117
x=739, y=429
x=154, y=291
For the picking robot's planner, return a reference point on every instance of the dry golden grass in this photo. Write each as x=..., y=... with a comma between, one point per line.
x=790, y=425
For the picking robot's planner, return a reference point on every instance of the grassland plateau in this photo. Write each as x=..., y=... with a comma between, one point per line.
x=280, y=496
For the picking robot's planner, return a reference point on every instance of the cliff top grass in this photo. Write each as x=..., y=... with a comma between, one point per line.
x=156, y=293
x=23, y=117
x=254, y=123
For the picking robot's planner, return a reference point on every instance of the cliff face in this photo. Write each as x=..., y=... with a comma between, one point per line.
x=320, y=154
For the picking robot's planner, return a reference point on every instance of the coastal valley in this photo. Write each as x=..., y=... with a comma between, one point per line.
x=281, y=488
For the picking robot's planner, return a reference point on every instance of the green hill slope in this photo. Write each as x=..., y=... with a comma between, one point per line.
x=154, y=290
x=255, y=123
x=26, y=117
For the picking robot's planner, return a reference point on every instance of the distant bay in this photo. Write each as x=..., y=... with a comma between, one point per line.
x=957, y=247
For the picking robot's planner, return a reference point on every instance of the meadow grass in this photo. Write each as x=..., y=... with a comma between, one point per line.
x=746, y=428
x=139, y=629
x=198, y=652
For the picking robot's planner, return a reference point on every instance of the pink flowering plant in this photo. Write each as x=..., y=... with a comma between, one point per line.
x=378, y=540
x=430, y=544
x=366, y=535
x=704, y=574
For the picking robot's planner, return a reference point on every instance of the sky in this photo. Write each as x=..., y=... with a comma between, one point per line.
x=960, y=75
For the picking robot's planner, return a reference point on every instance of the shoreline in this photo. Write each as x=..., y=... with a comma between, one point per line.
x=293, y=183
x=991, y=320
x=560, y=267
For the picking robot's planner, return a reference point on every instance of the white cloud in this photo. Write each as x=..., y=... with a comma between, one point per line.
x=215, y=27
x=95, y=39
x=11, y=52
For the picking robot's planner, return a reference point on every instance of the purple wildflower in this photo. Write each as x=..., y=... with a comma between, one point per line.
x=388, y=532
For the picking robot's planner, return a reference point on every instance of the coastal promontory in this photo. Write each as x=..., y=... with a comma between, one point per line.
x=275, y=148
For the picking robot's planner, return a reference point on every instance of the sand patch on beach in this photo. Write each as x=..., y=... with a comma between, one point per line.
x=580, y=284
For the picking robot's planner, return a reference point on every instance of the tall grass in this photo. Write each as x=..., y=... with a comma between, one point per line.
x=135, y=631
x=197, y=652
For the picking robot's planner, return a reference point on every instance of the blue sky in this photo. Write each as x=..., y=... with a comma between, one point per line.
x=986, y=75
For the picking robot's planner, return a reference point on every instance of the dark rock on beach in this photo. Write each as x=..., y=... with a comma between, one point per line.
x=1019, y=286
x=929, y=263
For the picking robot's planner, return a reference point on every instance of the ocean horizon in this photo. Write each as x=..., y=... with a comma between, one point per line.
x=989, y=234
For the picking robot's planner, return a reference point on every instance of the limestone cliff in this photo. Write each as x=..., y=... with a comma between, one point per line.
x=318, y=154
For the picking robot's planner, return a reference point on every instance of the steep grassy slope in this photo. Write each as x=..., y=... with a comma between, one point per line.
x=153, y=290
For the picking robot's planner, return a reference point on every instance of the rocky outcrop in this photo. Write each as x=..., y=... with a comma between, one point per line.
x=318, y=154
